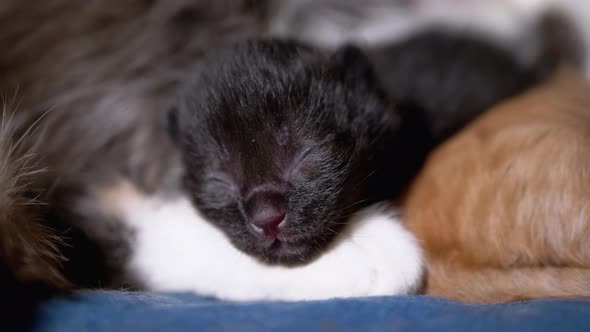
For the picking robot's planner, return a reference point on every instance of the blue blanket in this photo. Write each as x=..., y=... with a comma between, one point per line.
x=134, y=312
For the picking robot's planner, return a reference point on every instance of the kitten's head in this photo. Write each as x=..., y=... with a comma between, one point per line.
x=282, y=143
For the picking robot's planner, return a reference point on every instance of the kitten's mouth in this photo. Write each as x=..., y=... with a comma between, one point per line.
x=277, y=247
x=282, y=252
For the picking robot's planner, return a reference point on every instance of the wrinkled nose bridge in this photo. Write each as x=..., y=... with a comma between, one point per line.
x=268, y=188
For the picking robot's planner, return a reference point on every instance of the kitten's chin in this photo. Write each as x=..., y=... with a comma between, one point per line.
x=288, y=247
x=285, y=253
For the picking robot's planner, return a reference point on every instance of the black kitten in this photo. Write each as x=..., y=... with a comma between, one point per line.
x=282, y=143
x=452, y=77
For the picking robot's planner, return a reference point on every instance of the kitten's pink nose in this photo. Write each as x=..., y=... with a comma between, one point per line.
x=266, y=212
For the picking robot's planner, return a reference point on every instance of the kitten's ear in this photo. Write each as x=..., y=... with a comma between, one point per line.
x=349, y=63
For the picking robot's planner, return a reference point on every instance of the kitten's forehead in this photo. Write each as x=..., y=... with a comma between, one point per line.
x=269, y=118
x=264, y=113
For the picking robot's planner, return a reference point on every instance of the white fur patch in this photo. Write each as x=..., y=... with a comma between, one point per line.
x=177, y=250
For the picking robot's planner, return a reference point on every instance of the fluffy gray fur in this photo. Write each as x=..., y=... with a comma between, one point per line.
x=95, y=77
x=102, y=72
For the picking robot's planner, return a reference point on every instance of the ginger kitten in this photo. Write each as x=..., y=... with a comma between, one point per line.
x=502, y=207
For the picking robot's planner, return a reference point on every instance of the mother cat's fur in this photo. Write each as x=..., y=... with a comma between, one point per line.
x=98, y=73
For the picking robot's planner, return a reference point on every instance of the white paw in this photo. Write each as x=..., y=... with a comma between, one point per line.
x=177, y=250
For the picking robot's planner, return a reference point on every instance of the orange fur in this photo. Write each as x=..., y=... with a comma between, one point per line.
x=503, y=208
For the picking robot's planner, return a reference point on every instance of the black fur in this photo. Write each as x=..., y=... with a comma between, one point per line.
x=452, y=77
x=314, y=128
x=320, y=131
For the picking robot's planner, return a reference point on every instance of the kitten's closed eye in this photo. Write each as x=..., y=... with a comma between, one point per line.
x=222, y=180
x=219, y=190
x=295, y=165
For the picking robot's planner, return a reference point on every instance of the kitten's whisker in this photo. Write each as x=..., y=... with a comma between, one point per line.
x=331, y=230
x=366, y=177
x=354, y=204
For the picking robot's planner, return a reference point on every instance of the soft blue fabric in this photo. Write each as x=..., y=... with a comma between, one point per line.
x=134, y=312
